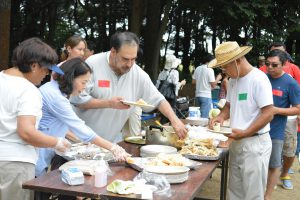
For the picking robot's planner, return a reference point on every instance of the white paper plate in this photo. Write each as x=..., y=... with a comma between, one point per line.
x=132, y=103
x=140, y=163
x=225, y=130
x=153, y=150
x=167, y=170
x=173, y=174
x=197, y=121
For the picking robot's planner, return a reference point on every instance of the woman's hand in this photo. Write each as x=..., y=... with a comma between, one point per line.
x=119, y=153
x=62, y=145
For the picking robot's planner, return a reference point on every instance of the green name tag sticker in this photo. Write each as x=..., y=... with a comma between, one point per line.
x=242, y=96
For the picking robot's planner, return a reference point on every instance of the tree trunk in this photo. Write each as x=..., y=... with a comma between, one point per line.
x=4, y=32
x=155, y=28
x=187, y=29
x=136, y=17
x=178, y=23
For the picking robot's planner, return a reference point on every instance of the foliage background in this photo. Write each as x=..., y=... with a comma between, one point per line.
x=187, y=28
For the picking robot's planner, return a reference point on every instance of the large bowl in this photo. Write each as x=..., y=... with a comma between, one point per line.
x=197, y=121
x=154, y=150
x=173, y=174
x=164, y=135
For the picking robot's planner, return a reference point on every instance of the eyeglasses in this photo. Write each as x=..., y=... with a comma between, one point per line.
x=272, y=64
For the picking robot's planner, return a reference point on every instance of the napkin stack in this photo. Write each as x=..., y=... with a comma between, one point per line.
x=72, y=176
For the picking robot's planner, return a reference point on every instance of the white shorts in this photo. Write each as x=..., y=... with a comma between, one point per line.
x=248, y=167
x=12, y=176
x=290, y=138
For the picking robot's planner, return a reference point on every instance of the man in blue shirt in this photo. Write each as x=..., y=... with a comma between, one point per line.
x=286, y=97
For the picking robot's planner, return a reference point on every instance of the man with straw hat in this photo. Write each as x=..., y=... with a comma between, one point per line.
x=250, y=109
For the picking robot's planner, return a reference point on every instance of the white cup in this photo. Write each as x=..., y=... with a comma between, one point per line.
x=194, y=112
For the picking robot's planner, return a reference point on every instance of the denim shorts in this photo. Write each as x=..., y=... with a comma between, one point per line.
x=275, y=159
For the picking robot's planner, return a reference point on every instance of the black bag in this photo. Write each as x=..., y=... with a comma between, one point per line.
x=182, y=104
x=167, y=89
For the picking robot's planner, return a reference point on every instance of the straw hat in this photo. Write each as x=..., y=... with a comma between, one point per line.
x=228, y=52
x=171, y=62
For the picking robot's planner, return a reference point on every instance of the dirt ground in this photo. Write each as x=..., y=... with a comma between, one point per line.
x=211, y=187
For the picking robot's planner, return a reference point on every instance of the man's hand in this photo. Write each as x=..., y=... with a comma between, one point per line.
x=116, y=103
x=212, y=121
x=180, y=128
x=237, y=134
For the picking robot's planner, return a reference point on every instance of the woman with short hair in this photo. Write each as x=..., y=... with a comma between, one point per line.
x=20, y=112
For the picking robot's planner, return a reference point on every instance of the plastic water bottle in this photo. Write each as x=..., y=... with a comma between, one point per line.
x=101, y=174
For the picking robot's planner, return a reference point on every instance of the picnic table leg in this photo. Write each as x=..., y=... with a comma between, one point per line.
x=224, y=177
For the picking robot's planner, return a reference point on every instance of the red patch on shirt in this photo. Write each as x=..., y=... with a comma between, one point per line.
x=277, y=93
x=103, y=83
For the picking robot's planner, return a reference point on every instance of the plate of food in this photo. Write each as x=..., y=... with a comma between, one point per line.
x=141, y=103
x=214, y=156
x=217, y=128
x=87, y=151
x=173, y=174
x=201, y=149
x=140, y=163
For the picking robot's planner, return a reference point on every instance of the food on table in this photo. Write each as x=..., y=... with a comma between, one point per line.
x=130, y=160
x=221, y=103
x=121, y=187
x=165, y=160
x=203, y=147
x=217, y=126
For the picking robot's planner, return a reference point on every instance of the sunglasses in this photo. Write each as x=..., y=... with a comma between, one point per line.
x=272, y=64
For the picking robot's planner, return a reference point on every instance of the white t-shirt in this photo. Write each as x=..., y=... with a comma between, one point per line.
x=203, y=76
x=19, y=97
x=105, y=84
x=247, y=95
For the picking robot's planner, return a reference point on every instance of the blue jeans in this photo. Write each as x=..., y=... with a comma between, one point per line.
x=205, y=106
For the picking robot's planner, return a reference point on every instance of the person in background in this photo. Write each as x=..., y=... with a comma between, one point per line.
x=116, y=77
x=261, y=61
x=87, y=53
x=288, y=67
x=286, y=97
x=74, y=47
x=298, y=139
x=250, y=109
x=171, y=75
x=205, y=81
x=59, y=117
x=20, y=112
x=224, y=86
x=290, y=136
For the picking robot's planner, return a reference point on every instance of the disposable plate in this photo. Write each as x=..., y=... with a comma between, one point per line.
x=132, y=103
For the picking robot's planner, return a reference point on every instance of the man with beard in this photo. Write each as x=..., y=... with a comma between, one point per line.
x=116, y=77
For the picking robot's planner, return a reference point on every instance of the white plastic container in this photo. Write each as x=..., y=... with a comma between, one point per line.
x=194, y=112
x=101, y=175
